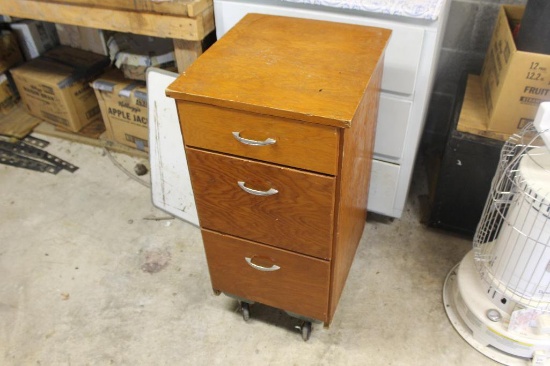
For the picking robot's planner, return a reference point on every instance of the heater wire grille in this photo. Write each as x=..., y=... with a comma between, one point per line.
x=512, y=240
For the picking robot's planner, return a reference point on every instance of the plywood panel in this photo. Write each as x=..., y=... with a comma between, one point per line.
x=358, y=143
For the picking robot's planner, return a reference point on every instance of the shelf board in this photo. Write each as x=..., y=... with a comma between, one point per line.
x=129, y=21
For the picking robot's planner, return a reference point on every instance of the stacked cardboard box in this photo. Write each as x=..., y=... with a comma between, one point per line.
x=89, y=39
x=35, y=37
x=513, y=82
x=134, y=54
x=10, y=56
x=55, y=86
x=123, y=105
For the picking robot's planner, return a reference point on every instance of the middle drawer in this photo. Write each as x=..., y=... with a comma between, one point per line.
x=275, y=205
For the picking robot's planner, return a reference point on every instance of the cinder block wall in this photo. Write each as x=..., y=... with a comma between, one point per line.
x=465, y=43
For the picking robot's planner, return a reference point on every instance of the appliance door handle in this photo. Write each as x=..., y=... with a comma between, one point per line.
x=269, y=192
x=267, y=141
x=261, y=268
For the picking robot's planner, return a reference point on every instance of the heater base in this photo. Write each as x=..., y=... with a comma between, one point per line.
x=466, y=304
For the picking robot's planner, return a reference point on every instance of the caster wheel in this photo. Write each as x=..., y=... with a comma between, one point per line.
x=245, y=309
x=306, y=331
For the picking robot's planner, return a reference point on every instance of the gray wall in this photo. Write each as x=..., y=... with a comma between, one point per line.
x=465, y=43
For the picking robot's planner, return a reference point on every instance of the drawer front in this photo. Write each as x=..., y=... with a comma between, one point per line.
x=274, y=277
x=383, y=188
x=391, y=129
x=296, y=144
x=299, y=217
x=402, y=58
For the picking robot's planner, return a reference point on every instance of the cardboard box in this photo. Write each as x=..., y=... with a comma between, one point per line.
x=10, y=55
x=514, y=83
x=134, y=54
x=473, y=113
x=123, y=105
x=8, y=94
x=89, y=39
x=55, y=87
x=35, y=37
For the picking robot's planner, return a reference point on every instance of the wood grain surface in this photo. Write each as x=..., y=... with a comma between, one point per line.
x=301, y=145
x=179, y=7
x=353, y=188
x=308, y=70
x=299, y=286
x=298, y=218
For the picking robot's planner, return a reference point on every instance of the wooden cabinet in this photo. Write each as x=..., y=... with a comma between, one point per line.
x=279, y=133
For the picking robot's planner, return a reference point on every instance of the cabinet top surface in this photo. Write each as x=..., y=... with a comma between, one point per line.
x=309, y=70
x=420, y=9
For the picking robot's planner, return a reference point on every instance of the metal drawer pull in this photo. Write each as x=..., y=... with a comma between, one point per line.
x=268, y=141
x=260, y=268
x=269, y=192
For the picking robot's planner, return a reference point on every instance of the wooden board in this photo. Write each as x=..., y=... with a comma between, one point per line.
x=151, y=24
x=47, y=129
x=198, y=6
x=17, y=122
x=473, y=115
x=357, y=148
x=186, y=52
x=176, y=7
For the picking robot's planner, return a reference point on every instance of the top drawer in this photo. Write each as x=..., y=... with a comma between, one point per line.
x=402, y=59
x=267, y=138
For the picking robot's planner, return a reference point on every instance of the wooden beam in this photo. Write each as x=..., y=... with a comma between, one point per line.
x=198, y=6
x=47, y=129
x=174, y=7
x=186, y=52
x=207, y=19
x=151, y=24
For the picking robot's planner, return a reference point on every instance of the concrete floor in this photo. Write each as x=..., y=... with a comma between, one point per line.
x=92, y=274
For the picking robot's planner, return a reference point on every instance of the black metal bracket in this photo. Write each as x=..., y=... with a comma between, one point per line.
x=24, y=155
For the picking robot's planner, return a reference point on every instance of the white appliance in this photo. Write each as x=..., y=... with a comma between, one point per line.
x=498, y=296
x=410, y=66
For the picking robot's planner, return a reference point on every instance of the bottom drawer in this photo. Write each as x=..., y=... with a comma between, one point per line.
x=271, y=276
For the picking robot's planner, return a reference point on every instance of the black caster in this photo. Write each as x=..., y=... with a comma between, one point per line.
x=306, y=330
